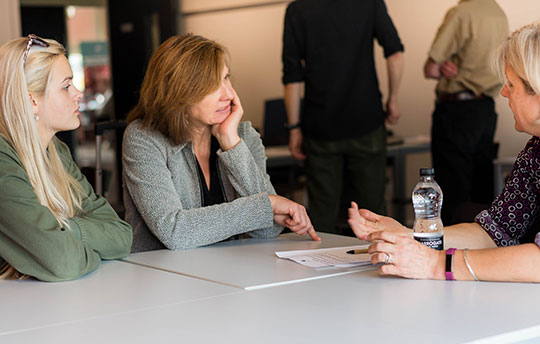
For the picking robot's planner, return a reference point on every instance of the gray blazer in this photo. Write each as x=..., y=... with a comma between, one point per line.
x=162, y=193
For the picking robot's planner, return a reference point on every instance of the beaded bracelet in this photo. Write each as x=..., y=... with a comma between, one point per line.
x=469, y=265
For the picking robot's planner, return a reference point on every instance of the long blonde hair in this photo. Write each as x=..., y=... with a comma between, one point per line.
x=55, y=188
x=521, y=52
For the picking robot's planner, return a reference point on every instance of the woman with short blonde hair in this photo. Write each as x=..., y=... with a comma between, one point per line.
x=521, y=53
x=194, y=174
x=52, y=225
x=502, y=244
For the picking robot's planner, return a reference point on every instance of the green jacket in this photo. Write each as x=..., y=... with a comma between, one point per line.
x=33, y=242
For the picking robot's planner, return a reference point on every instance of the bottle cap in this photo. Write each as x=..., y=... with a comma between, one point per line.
x=427, y=171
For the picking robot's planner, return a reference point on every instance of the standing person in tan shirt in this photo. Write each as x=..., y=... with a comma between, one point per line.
x=464, y=119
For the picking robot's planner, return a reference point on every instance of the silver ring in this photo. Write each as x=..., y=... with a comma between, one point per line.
x=388, y=257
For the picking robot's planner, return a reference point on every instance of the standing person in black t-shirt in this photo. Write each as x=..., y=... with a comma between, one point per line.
x=328, y=45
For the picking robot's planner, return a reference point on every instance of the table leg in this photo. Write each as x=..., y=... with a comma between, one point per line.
x=400, y=194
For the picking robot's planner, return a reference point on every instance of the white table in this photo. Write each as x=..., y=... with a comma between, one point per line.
x=248, y=263
x=356, y=308
x=279, y=156
x=115, y=288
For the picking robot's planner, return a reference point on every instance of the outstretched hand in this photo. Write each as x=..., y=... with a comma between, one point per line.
x=364, y=222
x=393, y=245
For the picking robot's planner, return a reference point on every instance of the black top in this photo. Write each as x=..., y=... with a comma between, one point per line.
x=215, y=194
x=329, y=45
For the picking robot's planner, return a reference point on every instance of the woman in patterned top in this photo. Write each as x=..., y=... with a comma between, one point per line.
x=497, y=238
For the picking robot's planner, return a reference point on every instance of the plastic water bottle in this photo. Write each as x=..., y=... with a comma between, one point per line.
x=427, y=200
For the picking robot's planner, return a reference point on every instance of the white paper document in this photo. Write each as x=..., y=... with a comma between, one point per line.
x=326, y=257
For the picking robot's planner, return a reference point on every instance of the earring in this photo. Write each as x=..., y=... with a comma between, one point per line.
x=36, y=117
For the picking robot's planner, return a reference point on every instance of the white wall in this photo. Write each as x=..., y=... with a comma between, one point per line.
x=417, y=21
x=10, y=20
x=206, y=5
x=253, y=37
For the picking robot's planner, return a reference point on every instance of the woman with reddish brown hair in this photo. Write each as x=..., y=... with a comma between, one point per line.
x=194, y=174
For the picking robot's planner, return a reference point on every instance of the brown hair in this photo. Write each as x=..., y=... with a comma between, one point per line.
x=183, y=70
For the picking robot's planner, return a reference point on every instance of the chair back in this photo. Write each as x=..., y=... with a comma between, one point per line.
x=275, y=117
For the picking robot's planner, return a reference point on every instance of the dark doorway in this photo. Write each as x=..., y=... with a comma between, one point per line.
x=47, y=22
x=136, y=29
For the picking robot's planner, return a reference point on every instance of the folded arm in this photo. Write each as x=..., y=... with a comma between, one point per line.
x=101, y=228
x=31, y=240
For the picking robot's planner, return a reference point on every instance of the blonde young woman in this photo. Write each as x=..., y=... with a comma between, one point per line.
x=496, y=247
x=194, y=174
x=52, y=225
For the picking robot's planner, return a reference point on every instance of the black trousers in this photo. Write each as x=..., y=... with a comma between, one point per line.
x=360, y=161
x=463, y=151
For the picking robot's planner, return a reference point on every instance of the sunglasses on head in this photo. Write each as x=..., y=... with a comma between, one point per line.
x=33, y=40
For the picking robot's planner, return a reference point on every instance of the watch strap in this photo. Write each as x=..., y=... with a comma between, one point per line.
x=449, y=264
x=292, y=126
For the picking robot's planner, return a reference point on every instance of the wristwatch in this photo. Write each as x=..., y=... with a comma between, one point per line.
x=292, y=126
x=449, y=273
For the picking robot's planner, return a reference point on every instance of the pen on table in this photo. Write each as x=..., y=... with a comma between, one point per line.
x=364, y=250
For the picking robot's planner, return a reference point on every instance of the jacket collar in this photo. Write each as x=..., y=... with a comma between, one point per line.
x=177, y=149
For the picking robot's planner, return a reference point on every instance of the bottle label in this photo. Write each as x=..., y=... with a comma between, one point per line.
x=434, y=242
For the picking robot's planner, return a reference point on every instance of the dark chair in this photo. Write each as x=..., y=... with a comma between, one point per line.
x=274, y=132
x=467, y=211
x=100, y=129
x=283, y=170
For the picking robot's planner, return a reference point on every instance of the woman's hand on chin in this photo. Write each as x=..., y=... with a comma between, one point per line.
x=226, y=132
